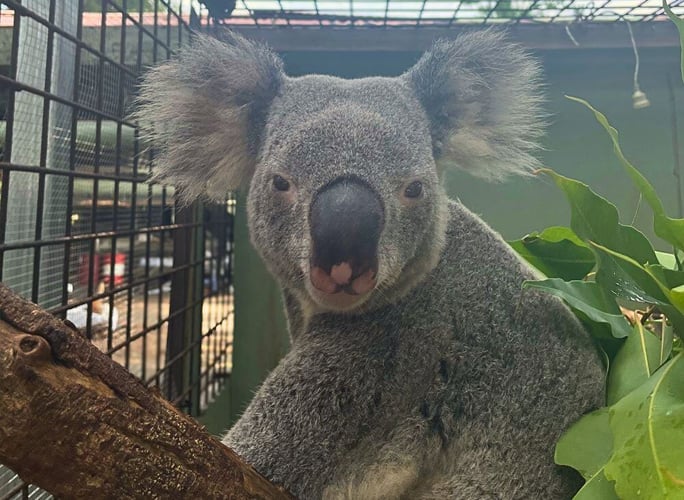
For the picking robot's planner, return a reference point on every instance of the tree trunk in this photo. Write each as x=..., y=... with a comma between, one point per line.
x=80, y=426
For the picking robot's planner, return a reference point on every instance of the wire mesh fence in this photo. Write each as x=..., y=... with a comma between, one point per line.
x=431, y=13
x=81, y=232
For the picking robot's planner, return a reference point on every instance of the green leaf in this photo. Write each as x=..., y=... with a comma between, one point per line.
x=673, y=279
x=679, y=23
x=667, y=260
x=626, y=278
x=597, y=488
x=593, y=218
x=636, y=361
x=671, y=230
x=588, y=298
x=587, y=445
x=648, y=432
x=557, y=252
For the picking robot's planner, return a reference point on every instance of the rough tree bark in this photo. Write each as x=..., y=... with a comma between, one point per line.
x=79, y=425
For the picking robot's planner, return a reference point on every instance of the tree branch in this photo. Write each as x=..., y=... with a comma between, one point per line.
x=79, y=425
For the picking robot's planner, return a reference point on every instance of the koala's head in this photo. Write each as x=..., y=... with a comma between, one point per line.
x=345, y=203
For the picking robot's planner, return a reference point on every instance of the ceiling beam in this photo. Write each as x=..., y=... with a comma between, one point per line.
x=539, y=36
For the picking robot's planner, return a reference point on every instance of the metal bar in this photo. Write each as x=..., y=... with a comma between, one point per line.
x=9, y=133
x=529, y=9
x=634, y=7
x=21, y=86
x=126, y=16
x=144, y=331
x=159, y=303
x=86, y=237
x=420, y=13
x=115, y=290
x=179, y=298
x=491, y=11
x=595, y=9
x=318, y=14
x=252, y=14
x=117, y=192
x=561, y=9
x=185, y=350
x=5, y=166
x=93, y=243
x=167, y=47
x=195, y=325
x=45, y=133
x=284, y=15
x=56, y=29
x=72, y=158
x=209, y=299
x=10, y=495
x=660, y=11
x=148, y=236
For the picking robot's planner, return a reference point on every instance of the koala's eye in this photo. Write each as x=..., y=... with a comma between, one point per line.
x=280, y=183
x=414, y=190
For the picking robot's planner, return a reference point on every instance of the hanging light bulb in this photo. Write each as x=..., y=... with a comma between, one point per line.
x=639, y=99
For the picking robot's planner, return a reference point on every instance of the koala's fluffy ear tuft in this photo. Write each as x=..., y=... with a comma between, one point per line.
x=204, y=112
x=483, y=98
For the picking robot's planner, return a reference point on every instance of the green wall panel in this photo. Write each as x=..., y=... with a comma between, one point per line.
x=260, y=336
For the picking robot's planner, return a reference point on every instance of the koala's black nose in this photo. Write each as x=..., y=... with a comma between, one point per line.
x=346, y=220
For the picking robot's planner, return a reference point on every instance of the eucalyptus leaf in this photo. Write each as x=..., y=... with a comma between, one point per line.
x=667, y=260
x=597, y=488
x=557, y=252
x=588, y=298
x=671, y=230
x=628, y=279
x=636, y=361
x=587, y=445
x=673, y=279
x=648, y=432
x=595, y=219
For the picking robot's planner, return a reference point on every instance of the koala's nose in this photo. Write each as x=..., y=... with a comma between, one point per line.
x=346, y=220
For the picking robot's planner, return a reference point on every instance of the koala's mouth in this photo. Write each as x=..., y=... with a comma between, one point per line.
x=340, y=287
x=346, y=220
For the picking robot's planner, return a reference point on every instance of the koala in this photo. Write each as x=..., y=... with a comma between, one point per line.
x=419, y=368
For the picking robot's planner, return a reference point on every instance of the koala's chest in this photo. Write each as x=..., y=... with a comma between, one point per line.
x=377, y=377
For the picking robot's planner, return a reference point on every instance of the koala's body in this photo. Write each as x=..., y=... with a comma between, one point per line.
x=419, y=368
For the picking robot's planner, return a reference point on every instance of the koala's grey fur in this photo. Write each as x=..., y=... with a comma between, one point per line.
x=448, y=381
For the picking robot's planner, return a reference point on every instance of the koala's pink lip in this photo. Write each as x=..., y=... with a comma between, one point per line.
x=340, y=280
x=338, y=290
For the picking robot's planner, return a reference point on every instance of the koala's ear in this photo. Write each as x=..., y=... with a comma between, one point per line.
x=205, y=111
x=483, y=98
